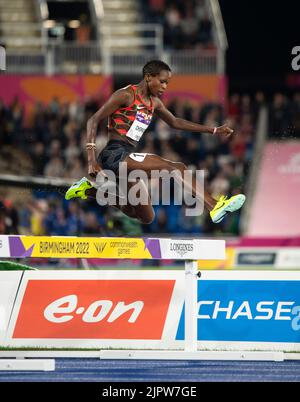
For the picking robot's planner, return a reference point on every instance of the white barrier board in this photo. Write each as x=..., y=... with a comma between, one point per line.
x=9, y=282
x=236, y=310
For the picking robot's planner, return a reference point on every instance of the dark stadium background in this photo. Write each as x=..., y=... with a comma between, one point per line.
x=261, y=35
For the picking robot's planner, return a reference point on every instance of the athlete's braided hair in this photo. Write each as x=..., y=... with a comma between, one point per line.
x=154, y=67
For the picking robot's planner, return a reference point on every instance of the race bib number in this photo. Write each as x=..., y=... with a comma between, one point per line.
x=138, y=157
x=139, y=126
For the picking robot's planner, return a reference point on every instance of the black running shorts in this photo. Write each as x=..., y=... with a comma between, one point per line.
x=114, y=152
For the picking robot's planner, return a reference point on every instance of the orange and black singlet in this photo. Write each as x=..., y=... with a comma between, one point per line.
x=132, y=121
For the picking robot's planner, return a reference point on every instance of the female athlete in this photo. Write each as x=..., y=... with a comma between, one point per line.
x=129, y=111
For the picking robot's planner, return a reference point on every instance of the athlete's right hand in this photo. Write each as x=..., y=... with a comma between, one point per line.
x=93, y=169
x=224, y=130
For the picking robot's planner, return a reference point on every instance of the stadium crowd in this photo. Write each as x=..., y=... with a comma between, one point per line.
x=284, y=116
x=187, y=24
x=50, y=141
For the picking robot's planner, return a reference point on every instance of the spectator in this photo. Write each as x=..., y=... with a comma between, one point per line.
x=75, y=169
x=295, y=114
x=219, y=185
x=38, y=157
x=279, y=116
x=187, y=223
x=3, y=227
x=39, y=210
x=55, y=167
x=204, y=35
x=260, y=101
x=71, y=151
x=91, y=224
x=84, y=31
x=11, y=217
x=234, y=106
x=172, y=28
x=17, y=114
x=189, y=25
x=75, y=219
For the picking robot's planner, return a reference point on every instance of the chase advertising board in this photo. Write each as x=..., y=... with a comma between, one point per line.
x=248, y=311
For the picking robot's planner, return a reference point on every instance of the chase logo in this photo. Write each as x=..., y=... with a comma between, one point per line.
x=245, y=311
x=263, y=310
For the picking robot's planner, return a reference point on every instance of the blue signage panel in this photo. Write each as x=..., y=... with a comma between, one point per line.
x=247, y=311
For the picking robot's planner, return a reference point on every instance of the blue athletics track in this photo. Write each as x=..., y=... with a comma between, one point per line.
x=96, y=370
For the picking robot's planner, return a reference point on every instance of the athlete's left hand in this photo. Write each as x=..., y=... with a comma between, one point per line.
x=224, y=130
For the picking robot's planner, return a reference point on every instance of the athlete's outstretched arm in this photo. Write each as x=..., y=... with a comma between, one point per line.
x=117, y=99
x=181, y=124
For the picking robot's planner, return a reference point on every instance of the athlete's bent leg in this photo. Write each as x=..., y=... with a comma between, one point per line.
x=218, y=209
x=144, y=213
x=155, y=162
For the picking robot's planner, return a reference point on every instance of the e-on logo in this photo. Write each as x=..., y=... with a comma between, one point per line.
x=63, y=310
